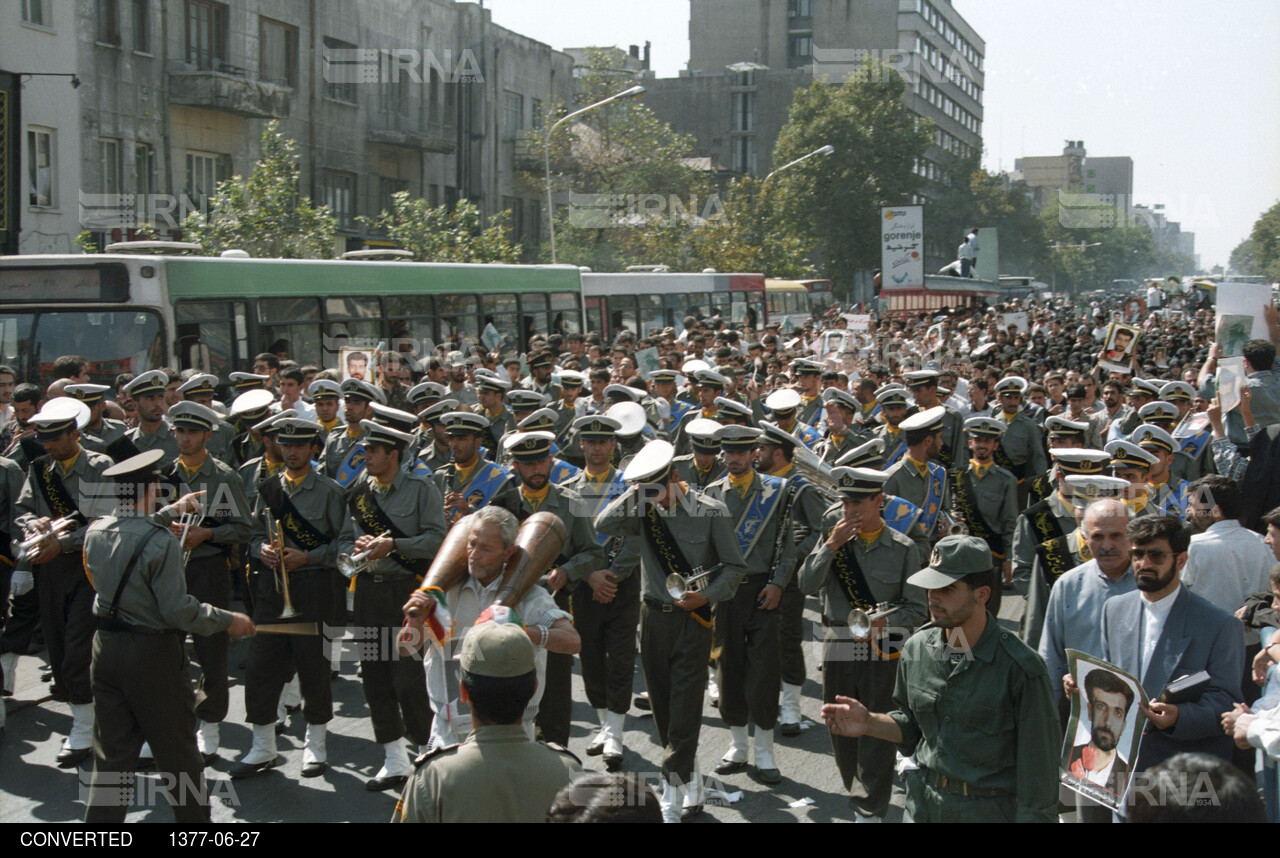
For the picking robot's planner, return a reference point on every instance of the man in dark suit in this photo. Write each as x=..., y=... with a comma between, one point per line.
x=1162, y=632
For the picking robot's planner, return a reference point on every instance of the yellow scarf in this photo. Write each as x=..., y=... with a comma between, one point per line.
x=980, y=469
x=742, y=483
x=354, y=430
x=65, y=465
x=872, y=536
x=597, y=478
x=783, y=471
x=464, y=474
x=1139, y=503
x=273, y=468
x=921, y=467
x=536, y=499
x=189, y=471
x=1008, y=418
x=292, y=484
x=329, y=425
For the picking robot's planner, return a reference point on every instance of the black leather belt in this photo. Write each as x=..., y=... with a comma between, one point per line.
x=955, y=786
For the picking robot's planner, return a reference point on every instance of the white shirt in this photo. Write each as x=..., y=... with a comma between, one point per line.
x=1226, y=565
x=1154, y=615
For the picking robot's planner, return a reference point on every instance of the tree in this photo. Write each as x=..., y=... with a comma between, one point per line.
x=976, y=197
x=265, y=214
x=437, y=234
x=836, y=199
x=1265, y=241
x=1242, y=260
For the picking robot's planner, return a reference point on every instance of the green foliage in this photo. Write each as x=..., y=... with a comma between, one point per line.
x=1265, y=242
x=436, y=234
x=1242, y=259
x=978, y=198
x=264, y=214
x=86, y=243
x=835, y=200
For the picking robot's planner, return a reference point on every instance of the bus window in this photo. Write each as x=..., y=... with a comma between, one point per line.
x=359, y=318
x=651, y=314
x=112, y=342
x=500, y=311
x=410, y=318
x=296, y=321
x=565, y=314
x=214, y=324
x=533, y=317
x=457, y=320
x=15, y=336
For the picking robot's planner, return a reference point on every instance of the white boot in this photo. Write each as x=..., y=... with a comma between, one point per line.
x=789, y=717
x=314, y=759
x=739, y=752
x=671, y=802
x=395, y=770
x=9, y=662
x=596, y=748
x=713, y=690
x=78, y=746
x=694, y=795
x=766, y=767
x=145, y=757
x=261, y=756
x=615, y=722
x=208, y=738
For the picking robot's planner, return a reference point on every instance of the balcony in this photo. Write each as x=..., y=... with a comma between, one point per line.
x=403, y=130
x=228, y=89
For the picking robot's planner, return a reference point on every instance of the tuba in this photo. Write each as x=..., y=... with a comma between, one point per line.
x=816, y=471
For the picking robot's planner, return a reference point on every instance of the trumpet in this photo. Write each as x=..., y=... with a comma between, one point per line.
x=275, y=535
x=949, y=525
x=29, y=546
x=678, y=586
x=186, y=520
x=356, y=562
x=860, y=621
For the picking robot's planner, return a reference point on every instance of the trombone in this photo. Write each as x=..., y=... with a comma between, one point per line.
x=678, y=586
x=30, y=545
x=275, y=535
x=351, y=565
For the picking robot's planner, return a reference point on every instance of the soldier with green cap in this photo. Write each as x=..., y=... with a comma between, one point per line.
x=972, y=702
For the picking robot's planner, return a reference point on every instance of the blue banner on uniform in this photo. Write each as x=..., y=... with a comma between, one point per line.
x=760, y=508
x=900, y=513
x=937, y=484
x=352, y=466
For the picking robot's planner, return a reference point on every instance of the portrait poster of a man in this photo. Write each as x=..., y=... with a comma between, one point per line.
x=1102, y=737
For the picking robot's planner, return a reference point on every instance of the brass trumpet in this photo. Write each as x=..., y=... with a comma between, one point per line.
x=949, y=525
x=29, y=546
x=356, y=562
x=186, y=520
x=860, y=621
x=275, y=535
x=678, y=586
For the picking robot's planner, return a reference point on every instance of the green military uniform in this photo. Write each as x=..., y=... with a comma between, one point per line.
x=675, y=645
x=161, y=439
x=1022, y=444
x=140, y=686
x=394, y=687
x=994, y=497
x=99, y=438
x=807, y=511
x=906, y=481
x=337, y=446
x=208, y=572
x=496, y=775
x=832, y=446
x=1026, y=537
x=859, y=669
x=983, y=727
x=222, y=444
x=499, y=425
x=697, y=478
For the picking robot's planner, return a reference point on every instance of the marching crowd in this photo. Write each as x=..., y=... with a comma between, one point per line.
x=680, y=493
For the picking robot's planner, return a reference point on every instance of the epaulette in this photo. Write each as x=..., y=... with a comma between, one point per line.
x=1025, y=657
x=434, y=752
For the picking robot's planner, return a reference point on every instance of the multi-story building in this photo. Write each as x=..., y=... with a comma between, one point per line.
x=427, y=97
x=748, y=57
x=1092, y=181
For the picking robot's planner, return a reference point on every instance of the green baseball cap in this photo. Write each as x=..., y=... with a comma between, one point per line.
x=953, y=558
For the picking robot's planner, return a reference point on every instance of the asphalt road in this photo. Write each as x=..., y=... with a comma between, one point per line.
x=34, y=789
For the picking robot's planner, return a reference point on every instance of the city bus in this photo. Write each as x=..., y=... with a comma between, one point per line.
x=789, y=302
x=940, y=293
x=130, y=313
x=821, y=298
x=642, y=301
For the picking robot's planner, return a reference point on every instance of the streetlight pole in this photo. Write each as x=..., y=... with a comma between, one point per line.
x=825, y=150
x=551, y=216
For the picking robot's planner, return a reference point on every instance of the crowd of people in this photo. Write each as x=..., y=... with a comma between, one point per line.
x=909, y=476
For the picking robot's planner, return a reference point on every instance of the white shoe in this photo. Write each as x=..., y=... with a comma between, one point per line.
x=613, y=749
x=766, y=766
x=208, y=738
x=145, y=755
x=789, y=716
x=314, y=758
x=713, y=691
x=262, y=755
x=739, y=752
x=694, y=795
x=671, y=802
x=396, y=767
x=596, y=748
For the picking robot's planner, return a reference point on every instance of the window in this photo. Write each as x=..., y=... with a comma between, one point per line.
x=108, y=22
x=109, y=165
x=744, y=154
x=277, y=52
x=38, y=12
x=535, y=113
x=40, y=155
x=338, y=191
x=204, y=171
x=144, y=169
x=140, y=17
x=206, y=34
x=393, y=89
x=340, y=70
x=744, y=111
x=802, y=46
x=387, y=187
x=800, y=8
x=512, y=114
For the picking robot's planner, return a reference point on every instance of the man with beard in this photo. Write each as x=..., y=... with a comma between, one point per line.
x=1098, y=761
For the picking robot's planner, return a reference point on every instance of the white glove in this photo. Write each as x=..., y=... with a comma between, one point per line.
x=21, y=583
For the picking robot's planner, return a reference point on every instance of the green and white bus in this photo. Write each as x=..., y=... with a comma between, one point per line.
x=130, y=313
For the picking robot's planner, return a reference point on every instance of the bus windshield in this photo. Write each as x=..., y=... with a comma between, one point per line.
x=112, y=341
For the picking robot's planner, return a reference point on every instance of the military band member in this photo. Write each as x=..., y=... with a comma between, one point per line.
x=491, y=390
x=732, y=412
x=859, y=564
x=783, y=405
x=677, y=531
x=544, y=420
x=710, y=384
x=1165, y=416
x=892, y=400
x=201, y=389
x=401, y=421
x=344, y=448
x=541, y=368
x=1021, y=450
x=1168, y=493
x=522, y=403
x=774, y=456
x=309, y=509
x=100, y=432
x=606, y=598
x=326, y=399
x=923, y=385
x=986, y=495
x=153, y=432
x=396, y=522
x=703, y=466
x=1061, y=434
x=1045, y=537
x=566, y=410
x=247, y=410
x=917, y=479
x=243, y=382
x=746, y=626
x=433, y=446
x=1140, y=392
x=808, y=375
x=531, y=458
x=662, y=384
x=841, y=435
x=1133, y=464
x=140, y=685
x=1191, y=431
x=471, y=482
x=211, y=541
x=18, y=582
x=64, y=491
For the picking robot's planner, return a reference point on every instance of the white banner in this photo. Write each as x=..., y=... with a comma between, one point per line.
x=902, y=247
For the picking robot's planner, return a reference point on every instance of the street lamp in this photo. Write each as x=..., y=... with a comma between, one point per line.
x=551, y=216
x=825, y=150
